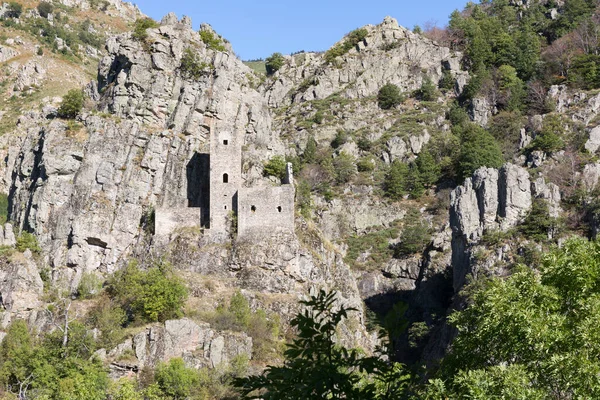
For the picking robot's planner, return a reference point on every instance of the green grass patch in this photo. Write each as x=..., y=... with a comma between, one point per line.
x=376, y=243
x=257, y=66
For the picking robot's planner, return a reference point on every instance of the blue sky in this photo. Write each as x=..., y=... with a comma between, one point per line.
x=258, y=28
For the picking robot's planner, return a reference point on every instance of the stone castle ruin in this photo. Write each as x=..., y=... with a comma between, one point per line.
x=223, y=197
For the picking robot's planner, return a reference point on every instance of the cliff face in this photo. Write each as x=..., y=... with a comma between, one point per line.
x=89, y=189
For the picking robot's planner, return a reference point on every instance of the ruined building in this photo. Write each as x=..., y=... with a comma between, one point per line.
x=258, y=210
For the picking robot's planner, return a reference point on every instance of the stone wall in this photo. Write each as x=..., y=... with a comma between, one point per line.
x=263, y=208
x=167, y=220
x=225, y=177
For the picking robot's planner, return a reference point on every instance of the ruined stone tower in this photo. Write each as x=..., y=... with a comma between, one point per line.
x=225, y=178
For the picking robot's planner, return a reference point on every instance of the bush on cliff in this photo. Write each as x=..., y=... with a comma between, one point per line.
x=72, y=104
x=154, y=294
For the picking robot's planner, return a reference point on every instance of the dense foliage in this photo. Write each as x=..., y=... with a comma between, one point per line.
x=316, y=367
x=533, y=335
x=191, y=66
x=389, y=96
x=351, y=40
x=72, y=104
x=140, y=27
x=274, y=62
x=153, y=294
x=211, y=40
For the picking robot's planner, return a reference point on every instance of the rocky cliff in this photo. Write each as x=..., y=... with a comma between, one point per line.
x=91, y=189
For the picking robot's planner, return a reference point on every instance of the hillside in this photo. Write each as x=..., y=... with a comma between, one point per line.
x=165, y=201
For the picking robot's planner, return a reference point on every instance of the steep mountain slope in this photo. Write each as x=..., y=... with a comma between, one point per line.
x=385, y=212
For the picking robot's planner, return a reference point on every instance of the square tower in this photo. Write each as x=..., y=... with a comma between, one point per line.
x=225, y=178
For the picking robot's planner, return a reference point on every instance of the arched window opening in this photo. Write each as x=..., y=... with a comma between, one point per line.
x=225, y=208
x=253, y=208
x=279, y=208
x=225, y=142
x=225, y=178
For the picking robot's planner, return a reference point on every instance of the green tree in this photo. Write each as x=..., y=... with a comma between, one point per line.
x=274, y=62
x=478, y=149
x=141, y=26
x=72, y=104
x=394, y=183
x=549, y=138
x=175, y=380
x=16, y=352
x=415, y=235
x=535, y=333
x=212, y=40
x=345, y=167
x=45, y=8
x=539, y=224
x=310, y=152
x=14, y=10
x=389, y=96
x=191, y=66
x=315, y=367
x=511, y=89
x=155, y=294
x=427, y=91
x=429, y=169
x=276, y=167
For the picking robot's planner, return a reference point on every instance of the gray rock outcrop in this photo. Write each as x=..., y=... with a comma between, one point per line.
x=491, y=199
x=409, y=57
x=197, y=343
x=6, y=53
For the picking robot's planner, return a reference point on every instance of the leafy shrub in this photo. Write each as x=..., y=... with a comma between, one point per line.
x=239, y=317
x=394, y=184
x=191, y=66
x=375, y=243
x=276, y=167
x=353, y=38
x=539, y=224
x=40, y=51
x=274, y=62
x=155, y=294
x=89, y=286
x=316, y=366
x=427, y=92
x=389, y=96
x=175, y=380
x=50, y=367
x=478, y=149
x=446, y=81
x=140, y=27
x=87, y=37
x=366, y=164
x=549, y=138
x=14, y=10
x=109, y=318
x=341, y=138
x=45, y=8
x=72, y=104
x=429, y=169
x=211, y=40
x=26, y=241
x=415, y=235
x=344, y=167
